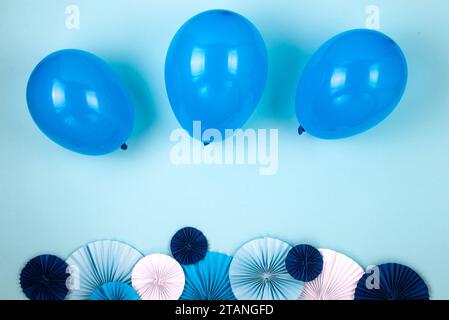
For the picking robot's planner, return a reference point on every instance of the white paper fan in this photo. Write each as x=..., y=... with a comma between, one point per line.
x=258, y=272
x=158, y=277
x=337, y=281
x=99, y=263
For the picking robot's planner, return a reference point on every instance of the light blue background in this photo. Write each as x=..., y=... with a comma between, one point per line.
x=378, y=197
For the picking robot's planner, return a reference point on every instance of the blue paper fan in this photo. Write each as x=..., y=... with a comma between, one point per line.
x=258, y=272
x=44, y=278
x=395, y=282
x=99, y=263
x=115, y=291
x=189, y=246
x=304, y=263
x=208, y=279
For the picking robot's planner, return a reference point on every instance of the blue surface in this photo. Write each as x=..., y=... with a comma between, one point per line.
x=377, y=197
x=352, y=83
x=216, y=82
x=79, y=103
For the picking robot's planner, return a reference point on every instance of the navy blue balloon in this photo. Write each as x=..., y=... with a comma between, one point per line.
x=79, y=103
x=304, y=263
x=396, y=282
x=189, y=246
x=352, y=83
x=215, y=71
x=44, y=278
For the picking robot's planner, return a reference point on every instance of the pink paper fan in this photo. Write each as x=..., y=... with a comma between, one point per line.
x=337, y=281
x=158, y=277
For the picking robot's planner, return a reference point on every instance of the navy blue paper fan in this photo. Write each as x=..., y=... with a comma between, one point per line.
x=189, y=246
x=115, y=291
x=304, y=263
x=44, y=278
x=396, y=282
x=208, y=279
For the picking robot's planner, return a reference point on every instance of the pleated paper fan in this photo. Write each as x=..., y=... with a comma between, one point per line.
x=337, y=281
x=395, y=282
x=44, y=278
x=304, y=262
x=99, y=263
x=115, y=291
x=188, y=246
x=208, y=279
x=158, y=277
x=258, y=272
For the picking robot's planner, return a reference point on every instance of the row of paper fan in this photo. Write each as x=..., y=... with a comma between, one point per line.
x=262, y=269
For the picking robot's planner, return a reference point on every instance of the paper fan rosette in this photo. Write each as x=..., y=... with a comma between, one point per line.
x=44, y=278
x=158, y=277
x=258, y=272
x=188, y=246
x=337, y=281
x=115, y=291
x=304, y=262
x=99, y=263
x=391, y=281
x=208, y=279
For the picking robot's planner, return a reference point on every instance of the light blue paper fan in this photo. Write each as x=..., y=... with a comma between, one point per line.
x=258, y=272
x=208, y=279
x=115, y=291
x=99, y=263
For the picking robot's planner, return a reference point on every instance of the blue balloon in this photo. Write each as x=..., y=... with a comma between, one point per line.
x=215, y=71
x=79, y=103
x=352, y=83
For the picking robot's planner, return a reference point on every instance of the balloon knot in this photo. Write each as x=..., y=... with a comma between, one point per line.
x=301, y=130
x=124, y=147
